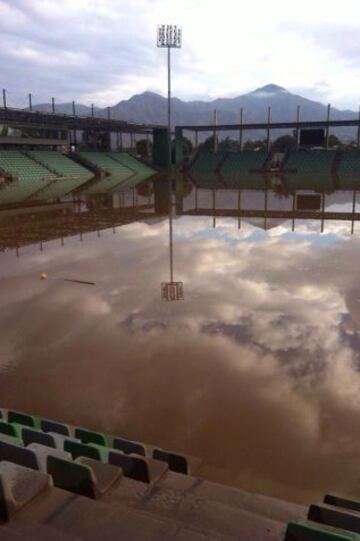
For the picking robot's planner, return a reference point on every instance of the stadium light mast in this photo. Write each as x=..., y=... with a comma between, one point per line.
x=170, y=37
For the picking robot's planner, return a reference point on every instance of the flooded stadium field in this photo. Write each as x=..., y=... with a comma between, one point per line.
x=255, y=370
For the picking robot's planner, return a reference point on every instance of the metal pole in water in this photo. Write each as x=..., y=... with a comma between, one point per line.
x=268, y=130
x=327, y=127
x=297, y=127
x=241, y=130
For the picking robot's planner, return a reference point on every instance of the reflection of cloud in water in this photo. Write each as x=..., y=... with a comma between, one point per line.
x=253, y=371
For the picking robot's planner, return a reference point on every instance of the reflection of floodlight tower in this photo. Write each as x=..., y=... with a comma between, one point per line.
x=169, y=36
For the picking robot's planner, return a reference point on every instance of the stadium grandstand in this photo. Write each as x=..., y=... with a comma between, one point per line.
x=43, y=174
x=311, y=162
x=59, y=481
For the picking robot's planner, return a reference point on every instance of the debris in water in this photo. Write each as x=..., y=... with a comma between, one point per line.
x=79, y=281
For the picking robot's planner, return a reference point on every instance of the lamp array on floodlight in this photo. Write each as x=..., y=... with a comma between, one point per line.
x=169, y=35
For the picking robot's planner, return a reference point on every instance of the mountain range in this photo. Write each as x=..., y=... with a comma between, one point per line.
x=151, y=108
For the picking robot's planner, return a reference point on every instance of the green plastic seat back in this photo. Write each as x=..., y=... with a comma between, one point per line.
x=303, y=531
x=8, y=429
x=80, y=449
x=88, y=436
x=21, y=418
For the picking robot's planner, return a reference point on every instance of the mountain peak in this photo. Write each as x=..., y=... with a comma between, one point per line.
x=269, y=89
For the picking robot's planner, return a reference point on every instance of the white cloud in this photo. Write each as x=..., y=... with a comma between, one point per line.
x=228, y=49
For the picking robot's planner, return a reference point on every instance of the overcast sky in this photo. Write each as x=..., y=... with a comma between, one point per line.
x=104, y=51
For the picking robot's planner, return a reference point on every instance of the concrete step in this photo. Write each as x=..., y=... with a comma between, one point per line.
x=90, y=520
x=213, y=517
x=174, y=487
x=41, y=532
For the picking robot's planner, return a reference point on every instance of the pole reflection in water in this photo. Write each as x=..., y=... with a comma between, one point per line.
x=171, y=291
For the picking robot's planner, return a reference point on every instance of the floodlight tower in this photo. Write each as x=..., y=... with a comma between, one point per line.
x=170, y=37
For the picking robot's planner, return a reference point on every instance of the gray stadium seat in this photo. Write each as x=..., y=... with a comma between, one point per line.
x=18, y=486
x=335, y=516
x=53, y=426
x=340, y=500
x=35, y=436
x=71, y=476
x=85, y=477
x=133, y=467
x=18, y=455
x=42, y=452
x=177, y=463
x=128, y=447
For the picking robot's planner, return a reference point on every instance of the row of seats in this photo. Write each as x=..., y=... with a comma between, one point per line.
x=310, y=162
x=337, y=518
x=245, y=161
x=240, y=181
x=206, y=162
x=113, y=183
x=104, y=162
x=22, y=167
x=349, y=165
x=60, y=164
x=58, y=189
x=132, y=163
x=41, y=457
x=96, y=445
x=21, y=190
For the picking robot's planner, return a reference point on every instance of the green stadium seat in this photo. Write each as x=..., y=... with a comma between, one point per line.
x=128, y=447
x=176, y=462
x=311, y=531
x=77, y=449
x=35, y=436
x=9, y=429
x=335, y=516
x=22, y=418
x=18, y=487
x=88, y=436
x=53, y=426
